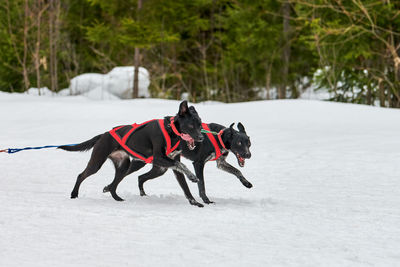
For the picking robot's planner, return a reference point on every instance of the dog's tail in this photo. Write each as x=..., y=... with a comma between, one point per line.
x=82, y=146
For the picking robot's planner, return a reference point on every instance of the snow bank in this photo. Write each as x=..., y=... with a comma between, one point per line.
x=118, y=82
x=44, y=91
x=85, y=82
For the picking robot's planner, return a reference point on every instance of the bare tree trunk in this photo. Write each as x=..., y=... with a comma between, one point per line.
x=137, y=62
x=54, y=13
x=136, y=74
x=204, y=57
x=38, y=13
x=268, y=80
x=51, y=45
x=56, y=38
x=381, y=93
x=286, y=49
x=36, y=54
x=369, y=95
x=227, y=88
x=162, y=61
x=237, y=94
x=396, y=88
x=174, y=69
x=25, y=41
x=389, y=97
x=203, y=47
x=21, y=60
x=396, y=65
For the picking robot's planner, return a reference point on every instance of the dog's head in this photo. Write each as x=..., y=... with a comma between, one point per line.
x=190, y=124
x=240, y=143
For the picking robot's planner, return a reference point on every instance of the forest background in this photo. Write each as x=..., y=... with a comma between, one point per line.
x=223, y=50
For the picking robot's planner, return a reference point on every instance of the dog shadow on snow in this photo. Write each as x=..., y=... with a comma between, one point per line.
x=174, y=200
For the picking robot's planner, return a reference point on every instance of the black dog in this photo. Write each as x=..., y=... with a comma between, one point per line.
x=152, y=141
x=214, y=147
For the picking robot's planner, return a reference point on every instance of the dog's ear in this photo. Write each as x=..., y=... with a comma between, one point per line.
x=183, y=108
x=230, y=131
x=241, y=128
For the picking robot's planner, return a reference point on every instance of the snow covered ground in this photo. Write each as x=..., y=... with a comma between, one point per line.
x=326, y=189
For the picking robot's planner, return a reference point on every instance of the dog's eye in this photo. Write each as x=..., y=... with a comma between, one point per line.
x=239, y=143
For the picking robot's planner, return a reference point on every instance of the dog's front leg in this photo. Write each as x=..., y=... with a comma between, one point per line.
x=199, y=169
x=176, y=166
x=225, y=166
x=180, y=167
x=182, y=182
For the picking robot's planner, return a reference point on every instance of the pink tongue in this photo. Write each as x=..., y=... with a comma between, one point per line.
x=187, y=138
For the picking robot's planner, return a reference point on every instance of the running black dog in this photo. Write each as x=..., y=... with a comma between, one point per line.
x=216, y=146
x=154, y=141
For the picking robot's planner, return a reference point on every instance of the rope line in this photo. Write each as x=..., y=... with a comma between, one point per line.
x=15, y=150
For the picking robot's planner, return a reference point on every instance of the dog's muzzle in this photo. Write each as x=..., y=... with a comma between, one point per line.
x=189, y=141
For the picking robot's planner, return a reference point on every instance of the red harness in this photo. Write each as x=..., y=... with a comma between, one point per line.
x=122, y=139
x=214, y=142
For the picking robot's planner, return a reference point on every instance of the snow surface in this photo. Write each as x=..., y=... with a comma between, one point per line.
x=325, y=175
x=44, y=91
x=118, y=83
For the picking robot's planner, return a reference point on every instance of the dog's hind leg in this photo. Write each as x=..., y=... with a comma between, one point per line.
x=121, y=163
x=134, y=166
x=101, y=151
x=119, y=159
x=199, y=169
x=120, y=173
x=153, y=173
x=182, y=182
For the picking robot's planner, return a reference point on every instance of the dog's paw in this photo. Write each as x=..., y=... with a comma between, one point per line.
x=207, y=201
x=116, y=197
x=193, y=178
x=106, y=189
x=195, y=203
x=246, y=183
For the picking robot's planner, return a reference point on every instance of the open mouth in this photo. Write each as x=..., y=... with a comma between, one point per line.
x=189, y=141
x=240, y=160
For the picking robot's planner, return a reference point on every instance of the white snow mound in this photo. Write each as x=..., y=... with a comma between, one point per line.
x=118, y=82
x=44, y=91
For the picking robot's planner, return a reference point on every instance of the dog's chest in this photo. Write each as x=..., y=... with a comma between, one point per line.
x=213, y=155
x=210, y=157
x=174, y=153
